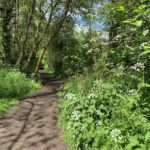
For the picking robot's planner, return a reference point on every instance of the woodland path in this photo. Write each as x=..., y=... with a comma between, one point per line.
x=32, y=125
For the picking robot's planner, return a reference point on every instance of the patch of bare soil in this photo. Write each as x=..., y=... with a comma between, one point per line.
x=32, y=125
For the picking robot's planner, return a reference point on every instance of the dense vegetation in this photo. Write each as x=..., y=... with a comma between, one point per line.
x=13, y=86
x=107, y=106
x=100, y=48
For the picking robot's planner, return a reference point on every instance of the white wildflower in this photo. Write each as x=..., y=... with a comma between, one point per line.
x=92, y=96
x=143, y=45
x=99, y=123
x=132, y=91
x=70, y=96
x=76, y=115
x=116, y=134
x=90, y=51
x=133, y=77
x=138, y=66
x=98, y=82
x=93, y=40
x=117, y=37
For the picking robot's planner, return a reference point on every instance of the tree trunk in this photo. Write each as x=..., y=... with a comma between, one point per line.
x=39, y=62
x=38, y=39
x=68, y=2
x=6, y=34
x=21, y=56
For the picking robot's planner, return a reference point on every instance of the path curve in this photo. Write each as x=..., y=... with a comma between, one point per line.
x=32, y=125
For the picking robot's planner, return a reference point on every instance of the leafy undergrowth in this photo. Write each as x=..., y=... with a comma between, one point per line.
x=106, y=113
x=13, y=86
x=6, y=104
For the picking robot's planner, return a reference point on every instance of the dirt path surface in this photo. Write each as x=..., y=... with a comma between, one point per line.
x=32, y=125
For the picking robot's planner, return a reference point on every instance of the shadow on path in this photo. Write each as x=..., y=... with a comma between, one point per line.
x=32, y=125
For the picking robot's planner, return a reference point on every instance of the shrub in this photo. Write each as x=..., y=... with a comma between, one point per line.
x=15, y=84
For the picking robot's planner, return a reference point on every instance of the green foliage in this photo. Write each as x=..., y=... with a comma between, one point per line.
x=104, y=114
x=107, y=107
x=15, y=84
x=6, y=104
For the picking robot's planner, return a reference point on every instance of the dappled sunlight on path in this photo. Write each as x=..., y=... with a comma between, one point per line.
x=32, y=125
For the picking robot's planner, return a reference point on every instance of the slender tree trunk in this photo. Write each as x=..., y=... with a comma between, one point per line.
x=38, y=39
x=112, y=30
x=30, y=16
x=39, y=62
x=15, y=32
x=16, y=23
x=6, y=34
x=68, y=2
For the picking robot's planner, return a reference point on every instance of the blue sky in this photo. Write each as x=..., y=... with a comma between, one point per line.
x=80, y=23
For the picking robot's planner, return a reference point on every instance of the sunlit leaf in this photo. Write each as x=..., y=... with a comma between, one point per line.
x=145, y=53
x=137, y=23
x=147, y=137
x=145, y=32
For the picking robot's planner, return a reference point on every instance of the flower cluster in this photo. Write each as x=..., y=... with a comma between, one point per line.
x=133, y=77
x=138, y=66
x=132, y=91
x=70, y=96
x=99, y=123
x=93, y=40
x=116, y=134
x=143, y=45
x=98, y=82
x=76, y=115
x=90, y=51
x=118, y=37
x=92, y=96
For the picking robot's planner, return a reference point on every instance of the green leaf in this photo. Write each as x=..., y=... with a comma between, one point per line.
x=145, y=53
x=133, y=21
x=121, y=8
x=133, y=142
x=128, y=21
x=137, y=23
x=140, y=8
x=147, y=47
x=147, y=136
x=145, y=32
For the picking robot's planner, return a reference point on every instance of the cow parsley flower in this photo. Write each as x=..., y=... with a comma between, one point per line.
x=92, y=96
x=132, y=91
x=118, y=37
x=133, y=77
x=97, y=82
x=76, y=115
x=99, y=123
x=90, y=51
x=138, y=66
x=70, y=96
x=116, y=134
x=143, y=45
